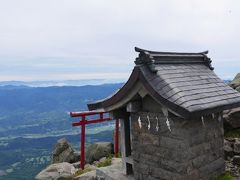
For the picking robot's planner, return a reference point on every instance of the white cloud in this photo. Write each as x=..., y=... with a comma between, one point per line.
x=69, y=76
x=48, y=36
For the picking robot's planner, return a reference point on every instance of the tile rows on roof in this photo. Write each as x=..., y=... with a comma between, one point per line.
x=189, y=86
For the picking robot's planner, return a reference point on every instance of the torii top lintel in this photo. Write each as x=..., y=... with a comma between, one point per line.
x=183, y=82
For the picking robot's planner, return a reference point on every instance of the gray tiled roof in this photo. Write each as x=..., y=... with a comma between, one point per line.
x=184, y=82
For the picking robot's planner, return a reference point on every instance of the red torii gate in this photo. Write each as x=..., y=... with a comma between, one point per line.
x=83, y=122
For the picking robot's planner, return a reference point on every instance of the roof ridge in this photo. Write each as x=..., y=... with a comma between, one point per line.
x=137, y=49
x=152, y=58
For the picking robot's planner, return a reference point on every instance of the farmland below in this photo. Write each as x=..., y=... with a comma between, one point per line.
x=33, y=118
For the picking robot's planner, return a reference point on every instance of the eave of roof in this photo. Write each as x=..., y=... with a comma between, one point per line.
x=114, y=98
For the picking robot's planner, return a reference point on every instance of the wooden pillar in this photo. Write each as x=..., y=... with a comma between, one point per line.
x=125, y=140
x=116, y=140
x=126, y=145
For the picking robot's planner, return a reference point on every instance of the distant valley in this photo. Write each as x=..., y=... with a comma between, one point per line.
x=33, y=118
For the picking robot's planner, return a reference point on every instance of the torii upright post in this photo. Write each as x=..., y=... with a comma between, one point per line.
x=83, y=142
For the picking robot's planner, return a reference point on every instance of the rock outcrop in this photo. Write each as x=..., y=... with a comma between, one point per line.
x=91, y=175
x=232, y=145
x=232, y=156
x=235, y=83
x=98, y=150
x=65, y=161
x=112, y=172
x=63, y=152
x=232, y=117
x=58, y=171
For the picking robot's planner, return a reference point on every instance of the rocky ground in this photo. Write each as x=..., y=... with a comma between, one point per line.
x=232, y=131
x=65, y=161
x=232, y=155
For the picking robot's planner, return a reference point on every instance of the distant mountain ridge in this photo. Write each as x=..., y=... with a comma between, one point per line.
x=60, y=83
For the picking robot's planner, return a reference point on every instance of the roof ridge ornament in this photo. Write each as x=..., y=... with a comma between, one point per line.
x=152, y=58
x=146, y=58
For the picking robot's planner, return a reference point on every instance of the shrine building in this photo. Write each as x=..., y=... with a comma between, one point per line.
x=170, y=112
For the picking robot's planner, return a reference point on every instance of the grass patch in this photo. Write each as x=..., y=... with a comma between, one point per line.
x=80, y=171
x=106, y=162
x=225, y=176
x=234, y=133
x=118, y=155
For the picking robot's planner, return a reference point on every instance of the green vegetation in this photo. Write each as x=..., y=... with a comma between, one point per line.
x=119, y=155
x=225, y=176
x=230, y=132
x=80, y=172
x=234, y=133
x=34, y=153
x=106, y=162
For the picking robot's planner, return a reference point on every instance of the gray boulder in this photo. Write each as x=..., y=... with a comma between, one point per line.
x=114, y=171
x=238, y=88
x=63, y=152
x=236, y=160
x=77, y=156
x=228, y=149
x=98, y=150
x=91, y=175
x=59, y=171
x=235, y=83
x=76, y=164
x=232, y=117
x=236, y=147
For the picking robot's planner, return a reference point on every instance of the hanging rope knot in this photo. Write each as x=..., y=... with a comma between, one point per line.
x=149, y=126
x=213, y=116
x=168, y=124
x=203, y=123
x=165, y=112
x=219, y=117
x=157, y=126
x=139, y=122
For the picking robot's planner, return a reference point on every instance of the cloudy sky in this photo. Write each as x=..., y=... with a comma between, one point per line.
x=95, y=39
